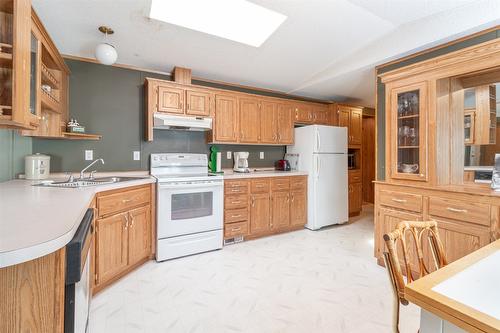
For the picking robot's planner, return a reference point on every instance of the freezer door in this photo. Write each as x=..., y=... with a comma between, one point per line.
x=330, y=139
x=329, y=204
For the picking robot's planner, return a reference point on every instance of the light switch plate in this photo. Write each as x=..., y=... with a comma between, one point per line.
x=89, y=155
x=228, y=155
x=137, y=155
x=261, y=155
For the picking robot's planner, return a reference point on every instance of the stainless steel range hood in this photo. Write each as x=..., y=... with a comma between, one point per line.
x=186, y=123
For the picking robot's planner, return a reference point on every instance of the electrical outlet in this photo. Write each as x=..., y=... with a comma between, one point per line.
x=228, y=155
x=261, y=155
x=89, y=155
x=137, y=155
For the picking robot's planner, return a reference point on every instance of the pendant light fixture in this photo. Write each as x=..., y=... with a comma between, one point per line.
x=106, y=53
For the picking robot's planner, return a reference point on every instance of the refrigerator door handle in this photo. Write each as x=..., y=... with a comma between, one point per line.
x=318, y=141
x=317, y=166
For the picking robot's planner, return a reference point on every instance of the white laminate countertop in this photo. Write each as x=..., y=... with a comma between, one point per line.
x=478, y=168
x=37, y=220
x=260, y=173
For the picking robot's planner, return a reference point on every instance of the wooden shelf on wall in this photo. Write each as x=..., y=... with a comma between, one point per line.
x=81, y=136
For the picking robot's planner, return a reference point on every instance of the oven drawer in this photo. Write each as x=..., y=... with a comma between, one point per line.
x=280, y=184
x=235, y=215
x=235, y=229
x=236, y=201
x=406, y=201
x=460, y=210
x=113, y=203
x=236, y=186
x=260, y=186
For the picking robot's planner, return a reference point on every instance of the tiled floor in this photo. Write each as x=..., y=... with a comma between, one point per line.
x=304, y=281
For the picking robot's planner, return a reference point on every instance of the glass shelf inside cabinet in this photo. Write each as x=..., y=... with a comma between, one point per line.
x=408, y=132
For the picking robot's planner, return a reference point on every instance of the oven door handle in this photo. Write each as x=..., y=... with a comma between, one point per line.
x=184, y=186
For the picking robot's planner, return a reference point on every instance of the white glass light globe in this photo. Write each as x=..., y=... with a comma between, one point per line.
x=106, y=54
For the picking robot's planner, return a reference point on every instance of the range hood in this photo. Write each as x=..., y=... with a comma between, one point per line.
x=186, y=123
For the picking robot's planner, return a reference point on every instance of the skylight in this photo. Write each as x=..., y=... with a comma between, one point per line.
x=237, y=20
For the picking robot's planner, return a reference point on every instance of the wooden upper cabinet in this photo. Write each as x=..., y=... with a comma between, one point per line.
x=226, y=118
x=285, y=123
x=269, y=122
x=407, y=132
x=260, y=213
x=139, y=233
x=249, y=120
x=111, y=246
x=170, y=99
x=303, y=113
x=343, y=113
x=356, y=126
x=321, y=114
x=198, y=103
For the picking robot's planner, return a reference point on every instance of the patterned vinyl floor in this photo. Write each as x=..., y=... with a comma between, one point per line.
x=304, y=281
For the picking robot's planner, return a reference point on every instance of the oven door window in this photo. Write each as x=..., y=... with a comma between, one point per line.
x=191, y=205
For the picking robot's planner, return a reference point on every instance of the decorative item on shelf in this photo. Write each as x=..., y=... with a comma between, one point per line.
x=106, y=53
x=409, y=168
x=74, y=127
x=46, y=88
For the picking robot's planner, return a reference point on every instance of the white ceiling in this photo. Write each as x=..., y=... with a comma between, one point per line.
x=325, y=49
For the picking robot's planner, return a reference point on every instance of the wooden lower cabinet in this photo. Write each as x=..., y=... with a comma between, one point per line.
x=355, y=192
x=263, y=206
x=459, y=233
x=124, y=235
x=111, y=247
x=260, y=209
x=280, y=210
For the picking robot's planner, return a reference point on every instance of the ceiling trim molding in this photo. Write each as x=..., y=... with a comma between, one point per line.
x=437, y=47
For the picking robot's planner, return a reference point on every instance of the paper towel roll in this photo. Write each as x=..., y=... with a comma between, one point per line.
x=219, y=161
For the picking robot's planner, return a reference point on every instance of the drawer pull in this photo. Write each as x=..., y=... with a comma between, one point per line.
x=235, y=185
x=234, y=216
x=235, y=202
x=399, y=200
x=456, y=210
x=235, y=190
x=259, y=185
x=126, y=200
x=236, y=229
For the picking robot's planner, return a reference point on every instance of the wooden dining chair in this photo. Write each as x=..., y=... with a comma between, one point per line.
x=410, y=235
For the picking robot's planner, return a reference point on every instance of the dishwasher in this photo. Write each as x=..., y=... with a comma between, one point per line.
x=77, y=289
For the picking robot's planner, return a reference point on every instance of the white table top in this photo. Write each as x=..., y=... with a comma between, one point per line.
x=477, y=286
x=36, y=220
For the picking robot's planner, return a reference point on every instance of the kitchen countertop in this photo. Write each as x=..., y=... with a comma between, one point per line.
x=464, y=292
x=478, y=168
x=37, y=220
x=260, y=173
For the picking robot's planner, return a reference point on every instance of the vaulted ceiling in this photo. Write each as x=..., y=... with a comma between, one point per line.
x=325, y=49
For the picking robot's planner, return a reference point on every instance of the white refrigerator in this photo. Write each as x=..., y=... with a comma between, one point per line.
x=323, y=154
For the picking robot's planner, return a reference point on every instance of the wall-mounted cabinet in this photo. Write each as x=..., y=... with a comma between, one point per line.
x=352, y=118
x=238, y=118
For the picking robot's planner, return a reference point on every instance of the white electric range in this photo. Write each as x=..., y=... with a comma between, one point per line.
x=190, y=203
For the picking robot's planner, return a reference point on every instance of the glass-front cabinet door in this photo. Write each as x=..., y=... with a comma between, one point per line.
x=35, y=59
x=409, y=132
x=469, y=123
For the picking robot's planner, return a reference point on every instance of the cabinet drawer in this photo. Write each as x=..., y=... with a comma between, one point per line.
x=236, y=201
x=260, y=186
x=235, y=215
x=112, y=203
x=236, y=186
x=401, y=200
x=280, y=184
x=460, y=210
x=235, y=229
x=298, y=183
x=355, y=176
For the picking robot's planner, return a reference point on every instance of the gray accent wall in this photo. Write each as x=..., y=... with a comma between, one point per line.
x=110, y=101
x=418, y=58
x=13, y=148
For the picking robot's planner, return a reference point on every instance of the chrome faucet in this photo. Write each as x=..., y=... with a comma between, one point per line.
x=82, y=173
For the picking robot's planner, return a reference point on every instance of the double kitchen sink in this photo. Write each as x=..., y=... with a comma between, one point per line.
x=88, y=182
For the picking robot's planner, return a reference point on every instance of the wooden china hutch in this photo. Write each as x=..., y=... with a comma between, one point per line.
x=427, y=128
